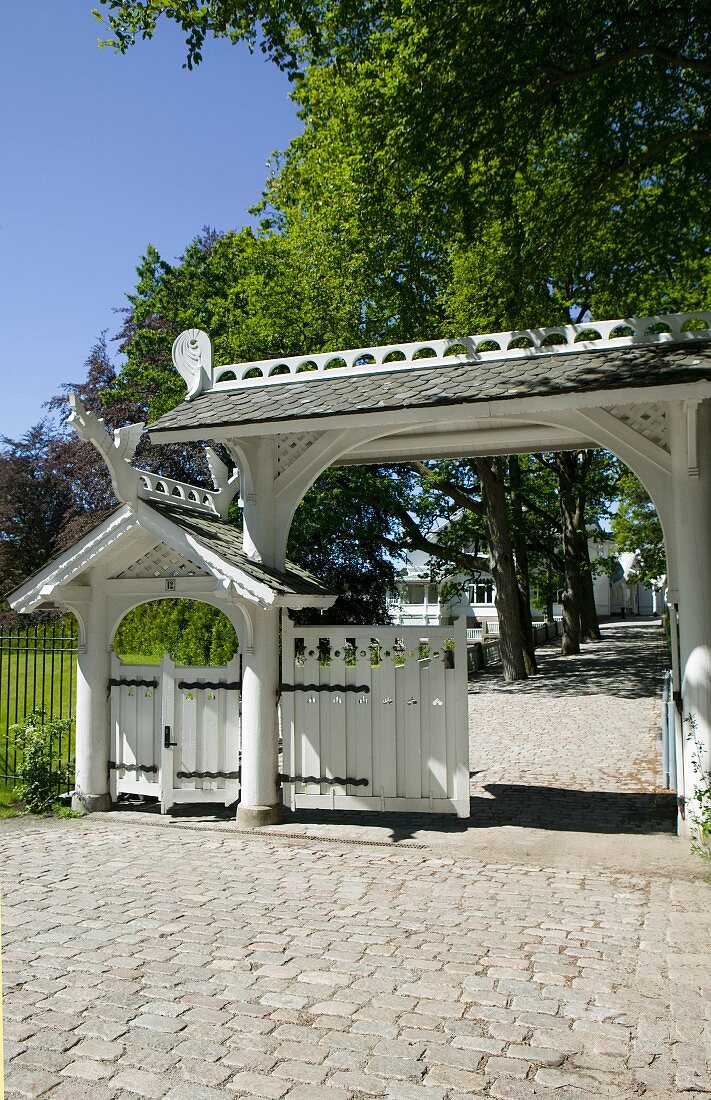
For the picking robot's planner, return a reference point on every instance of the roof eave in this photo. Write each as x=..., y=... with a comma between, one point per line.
x=488, y=408
x=37, y=590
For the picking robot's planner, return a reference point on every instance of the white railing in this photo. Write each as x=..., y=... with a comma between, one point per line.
x=166, y=489
x=511, y=344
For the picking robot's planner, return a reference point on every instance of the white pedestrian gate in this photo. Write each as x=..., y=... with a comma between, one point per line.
x=375, y=717
x=175, y=732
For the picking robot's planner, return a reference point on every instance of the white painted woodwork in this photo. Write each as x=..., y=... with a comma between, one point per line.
x=406, y=735
x=260, y=731
x=93, y=664
x=204, y=724
x=201, y=376
x=692, y=540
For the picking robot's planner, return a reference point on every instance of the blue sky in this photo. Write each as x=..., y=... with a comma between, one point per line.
x=103, y=154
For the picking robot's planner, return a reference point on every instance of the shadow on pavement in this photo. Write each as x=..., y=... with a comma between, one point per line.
x=625, y=664
x=531, y=807
x=524, y=806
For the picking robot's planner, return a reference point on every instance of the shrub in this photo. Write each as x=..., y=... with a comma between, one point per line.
x=41, y=770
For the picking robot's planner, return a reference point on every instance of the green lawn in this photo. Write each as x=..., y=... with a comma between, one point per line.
x=34, y=673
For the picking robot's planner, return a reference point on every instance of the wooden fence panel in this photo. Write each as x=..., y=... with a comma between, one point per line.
x=401, y=740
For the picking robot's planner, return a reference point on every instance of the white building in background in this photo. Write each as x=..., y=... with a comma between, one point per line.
x=418, y=603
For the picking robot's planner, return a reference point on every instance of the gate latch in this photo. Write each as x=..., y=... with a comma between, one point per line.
x=166, y=738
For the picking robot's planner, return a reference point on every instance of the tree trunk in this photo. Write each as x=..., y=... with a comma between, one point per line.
x=503, y=571
x=522, y=571
x=566, y=465
x=589, y=623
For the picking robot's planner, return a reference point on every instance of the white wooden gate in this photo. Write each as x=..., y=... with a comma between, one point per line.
x=375, y=717
x=175, y=732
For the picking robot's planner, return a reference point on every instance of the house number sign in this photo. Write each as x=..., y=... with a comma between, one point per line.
x=170, y=585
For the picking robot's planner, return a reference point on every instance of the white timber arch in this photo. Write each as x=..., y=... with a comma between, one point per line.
x=639, y=387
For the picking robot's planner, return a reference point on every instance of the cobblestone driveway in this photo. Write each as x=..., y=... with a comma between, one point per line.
x=194, y=962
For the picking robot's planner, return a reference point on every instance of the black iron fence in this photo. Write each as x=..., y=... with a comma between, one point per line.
x=38, y=666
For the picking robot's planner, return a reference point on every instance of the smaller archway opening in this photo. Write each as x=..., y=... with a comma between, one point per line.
x=192, y=632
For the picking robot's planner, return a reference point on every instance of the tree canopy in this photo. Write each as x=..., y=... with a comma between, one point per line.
x=563, y=143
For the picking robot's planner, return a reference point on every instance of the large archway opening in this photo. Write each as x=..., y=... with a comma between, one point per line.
x=577, y=746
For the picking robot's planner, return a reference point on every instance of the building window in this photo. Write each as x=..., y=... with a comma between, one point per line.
x=416, y=593
x=481, y=592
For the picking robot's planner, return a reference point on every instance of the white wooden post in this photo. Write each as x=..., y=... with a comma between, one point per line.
x=690, y=434
x=91, y=792
x=259, y=801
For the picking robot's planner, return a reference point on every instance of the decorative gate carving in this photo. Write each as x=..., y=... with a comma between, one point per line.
x=375, y=718
x=175, y=732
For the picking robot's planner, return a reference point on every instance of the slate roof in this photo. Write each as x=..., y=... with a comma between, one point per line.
x=226, y=541
x=454, y=384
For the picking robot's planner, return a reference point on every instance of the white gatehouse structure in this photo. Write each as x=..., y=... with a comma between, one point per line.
x=639, y=387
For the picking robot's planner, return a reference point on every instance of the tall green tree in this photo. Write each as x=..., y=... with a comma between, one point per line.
x=636, y=528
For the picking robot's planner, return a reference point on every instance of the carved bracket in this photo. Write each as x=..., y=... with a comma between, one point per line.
x=117, y=450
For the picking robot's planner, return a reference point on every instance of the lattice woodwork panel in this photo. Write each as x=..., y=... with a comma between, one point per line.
x=648, y=420
x=292, y=446
x=161, y=561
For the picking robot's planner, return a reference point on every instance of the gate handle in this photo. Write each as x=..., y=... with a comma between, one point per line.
x=166, y=738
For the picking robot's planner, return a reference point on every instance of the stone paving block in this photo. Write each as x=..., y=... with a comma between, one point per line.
x=30, y=1082
x=53, y=1040
x=12, y=1050
x=497, y=1066
x=345, y=1060
x=480, y=1043
x=75, y=1089
x=97, y=1028
x=302, y=1072
x=376, y=1028
x=196, y=1092
x=258, y=1084
x=396, y=1069
x=88, y=1070
x=141, y=1083
x=453, y=1077
x=406, y=1090
x=350, y=1041
x=204, y=1073
x=165, y=1008
x=141, y=1057
x=398, y=1048
x=198, y=1048
x=542, y=1056
x=313, y=1053
x=37, y=1058
x=360, y=1083
x=98, y=1049
x=247, y=1058
x=15, y=1032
